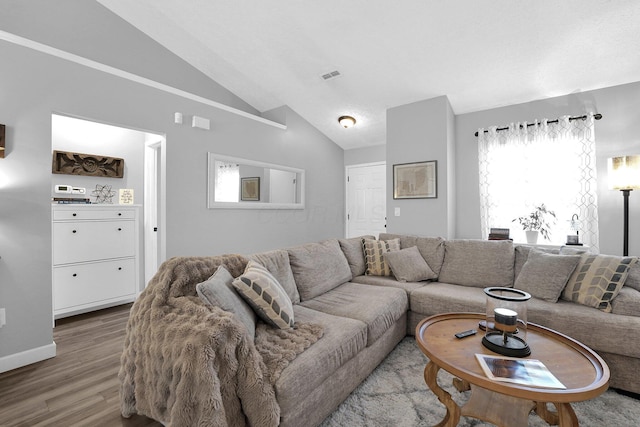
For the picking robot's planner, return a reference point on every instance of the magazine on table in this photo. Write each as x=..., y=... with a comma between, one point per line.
x=530, y=372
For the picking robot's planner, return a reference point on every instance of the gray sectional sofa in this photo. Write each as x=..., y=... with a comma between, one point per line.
x=347, y=320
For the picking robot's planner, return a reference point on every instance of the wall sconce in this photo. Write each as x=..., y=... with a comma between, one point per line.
x=346, y=121
x=624, y=175
x=2, y=141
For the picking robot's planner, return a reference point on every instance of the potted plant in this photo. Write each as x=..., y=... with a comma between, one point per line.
x=537, y=222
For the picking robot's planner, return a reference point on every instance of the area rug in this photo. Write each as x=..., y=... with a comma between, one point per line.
x=395, y=394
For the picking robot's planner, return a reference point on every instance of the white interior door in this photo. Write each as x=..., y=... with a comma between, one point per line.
x=152, y=207
x=282, y=186
x=366, y=199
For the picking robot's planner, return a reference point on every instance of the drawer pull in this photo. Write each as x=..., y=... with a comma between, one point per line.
x=119, y=268
x=74, y=275
x=74, y=214
x=119, y=214
x=119, y=229
x=74, y=231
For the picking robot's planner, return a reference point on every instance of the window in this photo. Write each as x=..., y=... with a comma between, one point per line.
x=551, y=163
x=227, y=182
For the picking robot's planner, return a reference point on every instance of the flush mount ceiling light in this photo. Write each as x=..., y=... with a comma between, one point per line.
x=346, y=121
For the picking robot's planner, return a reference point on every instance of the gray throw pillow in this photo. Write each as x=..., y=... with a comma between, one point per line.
x=218, y=290
x=265, y=295
x=545, y=275
x=277, y=262
x=407, y=265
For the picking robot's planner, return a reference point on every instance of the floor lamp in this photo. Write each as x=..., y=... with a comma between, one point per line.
x=624, y=175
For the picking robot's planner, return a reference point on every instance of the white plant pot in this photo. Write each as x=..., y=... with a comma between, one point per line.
x=532, y=236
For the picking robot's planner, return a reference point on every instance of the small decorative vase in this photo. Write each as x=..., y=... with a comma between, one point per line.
x=532, y=236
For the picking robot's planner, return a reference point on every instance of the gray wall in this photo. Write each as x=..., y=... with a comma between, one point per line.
x=616, y=134
x=422, y=131
x=33, y=85
x=357, y=156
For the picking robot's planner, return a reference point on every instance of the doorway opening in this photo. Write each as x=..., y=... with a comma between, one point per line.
x=144, y=173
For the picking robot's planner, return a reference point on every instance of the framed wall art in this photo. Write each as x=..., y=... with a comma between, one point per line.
x=250, y=189
x=415, y=180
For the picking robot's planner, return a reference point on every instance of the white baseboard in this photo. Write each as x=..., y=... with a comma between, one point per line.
x=24, y=358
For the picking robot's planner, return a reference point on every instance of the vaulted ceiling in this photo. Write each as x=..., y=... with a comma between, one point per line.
x=480, y=53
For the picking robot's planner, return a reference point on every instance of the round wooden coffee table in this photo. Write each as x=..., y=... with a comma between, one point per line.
x=580, y=369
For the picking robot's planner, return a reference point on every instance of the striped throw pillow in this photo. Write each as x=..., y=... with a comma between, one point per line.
x=265, y=295
x=374, y=251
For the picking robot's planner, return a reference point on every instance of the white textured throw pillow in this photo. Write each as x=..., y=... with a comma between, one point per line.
x=265, y=295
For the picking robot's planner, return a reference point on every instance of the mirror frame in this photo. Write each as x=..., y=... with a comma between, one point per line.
x=211, y=185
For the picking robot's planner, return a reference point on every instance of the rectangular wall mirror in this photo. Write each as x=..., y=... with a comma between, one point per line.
x=235, y=183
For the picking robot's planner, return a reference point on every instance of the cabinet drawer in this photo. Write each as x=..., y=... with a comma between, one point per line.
x=90, y=283
x=88, y=213
x=92, y=240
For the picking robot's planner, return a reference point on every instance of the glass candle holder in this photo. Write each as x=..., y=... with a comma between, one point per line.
x=506, y=321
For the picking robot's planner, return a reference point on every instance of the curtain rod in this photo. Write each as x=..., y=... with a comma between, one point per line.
x=597, y=116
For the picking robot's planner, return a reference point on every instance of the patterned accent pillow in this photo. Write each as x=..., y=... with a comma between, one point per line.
x=373, y=255
x=217, y=290
x=597, y=280
x=265, y=295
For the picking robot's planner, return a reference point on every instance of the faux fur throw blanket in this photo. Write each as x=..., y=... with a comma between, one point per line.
x=278, y=347
x=189, y=364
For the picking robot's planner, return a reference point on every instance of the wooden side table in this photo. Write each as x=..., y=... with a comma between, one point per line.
x=579, y=368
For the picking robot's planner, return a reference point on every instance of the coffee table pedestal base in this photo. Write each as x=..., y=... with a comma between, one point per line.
x=496, y=408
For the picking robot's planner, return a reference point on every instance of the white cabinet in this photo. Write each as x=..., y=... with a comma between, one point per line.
x=96, y=257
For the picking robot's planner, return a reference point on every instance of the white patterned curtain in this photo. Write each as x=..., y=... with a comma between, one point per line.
x=227, y=182
x=526, y=166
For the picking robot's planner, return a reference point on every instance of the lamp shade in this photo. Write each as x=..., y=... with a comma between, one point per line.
x=624, y=172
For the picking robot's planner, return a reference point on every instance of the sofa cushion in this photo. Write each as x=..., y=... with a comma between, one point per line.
x=377, y=307
x=522, y=253
x=218, y=290
x=545, y=275
x=343, y=339
x=437, y=298
x=354, y=252
x=597, y=280
x=277, y=262
x=627, y=303
x=263, y=292
x=478, y=263
x=374, y=251
x=431, y=248
x=407, y=265
x=388, y=281
x=318, y=267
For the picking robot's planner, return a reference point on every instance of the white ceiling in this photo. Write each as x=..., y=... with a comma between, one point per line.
x=480, y=53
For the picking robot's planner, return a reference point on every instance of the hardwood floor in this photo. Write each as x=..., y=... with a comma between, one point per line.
x=78, y=387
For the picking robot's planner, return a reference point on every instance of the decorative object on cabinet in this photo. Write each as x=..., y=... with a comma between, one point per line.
x=250, y=189
x=2, y=144
x=624, y=175
x=96, y=257
x=103, y=194
x=69, y=163
x=126, y=196
x=415, y=180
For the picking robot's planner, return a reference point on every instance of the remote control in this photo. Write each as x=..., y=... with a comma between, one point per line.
x=465, y=334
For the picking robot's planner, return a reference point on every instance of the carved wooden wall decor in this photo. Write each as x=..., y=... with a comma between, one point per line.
x=68, y=163
x=1, y=141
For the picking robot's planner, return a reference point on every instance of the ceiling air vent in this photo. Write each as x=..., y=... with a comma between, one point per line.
x=331, y=75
